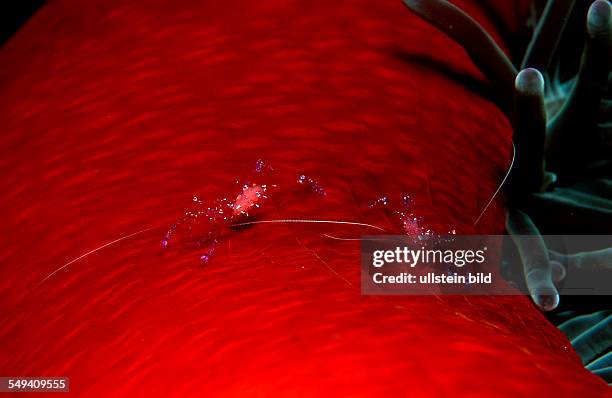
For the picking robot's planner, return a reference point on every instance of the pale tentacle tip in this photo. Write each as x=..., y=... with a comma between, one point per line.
x=598, y=17
x=550, y=179
x=546, y=300
x=412, y=3
x=530, y=81
x=541, y=287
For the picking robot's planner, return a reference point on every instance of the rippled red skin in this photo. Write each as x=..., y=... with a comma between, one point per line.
x=114, y=114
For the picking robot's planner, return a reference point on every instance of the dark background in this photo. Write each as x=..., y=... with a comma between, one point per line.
x=15, y=13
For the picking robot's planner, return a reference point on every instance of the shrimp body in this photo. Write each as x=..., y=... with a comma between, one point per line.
x=250, y=198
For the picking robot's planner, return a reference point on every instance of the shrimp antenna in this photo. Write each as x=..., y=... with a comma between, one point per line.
x=82, y=256
x=352, y=239
x=499, y=187
x=300, y=221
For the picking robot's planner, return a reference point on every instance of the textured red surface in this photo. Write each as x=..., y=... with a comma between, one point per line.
x=115, y=113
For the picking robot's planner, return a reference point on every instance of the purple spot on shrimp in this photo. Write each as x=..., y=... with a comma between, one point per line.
x=312, y=184
x=383, y=201
x=207, y=255
x=262, y=165
x=406, y=200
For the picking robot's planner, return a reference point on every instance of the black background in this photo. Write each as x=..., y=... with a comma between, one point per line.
x=13, y=14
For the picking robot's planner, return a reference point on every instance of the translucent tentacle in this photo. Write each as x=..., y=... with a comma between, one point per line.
x=534, y=256
x=462, y=28
x=566, y=133
x=547, y=34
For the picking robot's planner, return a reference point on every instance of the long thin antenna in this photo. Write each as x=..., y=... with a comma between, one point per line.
x=338, y=238
x=95, y=250
x=499, y=187
x=299, y=221
x=354, y=239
